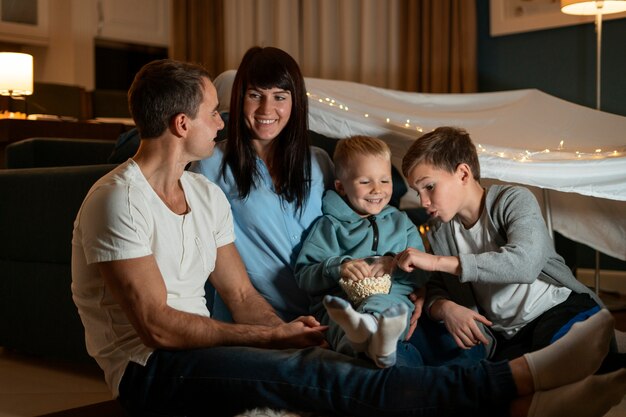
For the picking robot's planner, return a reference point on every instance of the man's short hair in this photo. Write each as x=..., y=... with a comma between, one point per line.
x=161, y=90
x=443, y=148
x=351, y=147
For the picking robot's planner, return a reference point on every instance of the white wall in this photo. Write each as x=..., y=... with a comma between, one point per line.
x=68, y=55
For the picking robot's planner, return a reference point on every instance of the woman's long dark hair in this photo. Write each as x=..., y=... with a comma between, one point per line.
x=289, y=160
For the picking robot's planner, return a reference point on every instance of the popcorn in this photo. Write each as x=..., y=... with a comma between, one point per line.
x=359, y=290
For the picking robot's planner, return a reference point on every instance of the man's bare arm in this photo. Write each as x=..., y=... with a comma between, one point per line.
x=137, y=285
x=231, y=281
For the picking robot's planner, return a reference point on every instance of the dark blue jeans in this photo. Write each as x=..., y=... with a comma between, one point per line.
x=224, y=381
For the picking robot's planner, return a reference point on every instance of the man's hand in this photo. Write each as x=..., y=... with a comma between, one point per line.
x=303, y=332
x=461, y=322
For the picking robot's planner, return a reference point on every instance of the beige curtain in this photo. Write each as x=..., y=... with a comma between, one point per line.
x=354, y=40
x=260, y=22
x=413, y=45
x=438, y=46
x=198, y=33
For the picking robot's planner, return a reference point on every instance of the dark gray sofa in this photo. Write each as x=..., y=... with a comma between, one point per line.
x=37, y=210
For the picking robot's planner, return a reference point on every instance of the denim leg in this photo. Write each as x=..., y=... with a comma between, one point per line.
x=224, y=381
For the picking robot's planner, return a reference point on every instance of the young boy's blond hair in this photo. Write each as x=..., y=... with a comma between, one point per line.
x=353, y=146
x=443, y=148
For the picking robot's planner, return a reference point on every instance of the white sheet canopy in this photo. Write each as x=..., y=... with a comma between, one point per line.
x=523, y=136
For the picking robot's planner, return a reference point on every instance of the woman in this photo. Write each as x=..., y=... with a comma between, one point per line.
x=273, y=179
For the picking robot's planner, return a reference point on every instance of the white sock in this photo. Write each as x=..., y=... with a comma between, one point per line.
x=594, y=396
x=391, y=324
x=574, y=356
x=357, y=326
x=620, y=338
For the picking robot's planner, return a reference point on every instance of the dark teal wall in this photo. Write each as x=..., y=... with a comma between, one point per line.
x=560, y=61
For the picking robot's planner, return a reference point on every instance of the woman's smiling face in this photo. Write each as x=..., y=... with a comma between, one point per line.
x=266, y=111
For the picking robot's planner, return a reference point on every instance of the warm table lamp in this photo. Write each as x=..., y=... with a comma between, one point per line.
x=597, y=9
x=16, y=75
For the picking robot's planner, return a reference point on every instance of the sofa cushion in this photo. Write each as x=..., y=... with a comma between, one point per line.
x=57, y=152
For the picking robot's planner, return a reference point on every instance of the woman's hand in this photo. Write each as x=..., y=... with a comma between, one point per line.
x=418, y=300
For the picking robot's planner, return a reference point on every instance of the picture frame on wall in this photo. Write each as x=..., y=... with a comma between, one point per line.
x=515, y=16
x=24, y=21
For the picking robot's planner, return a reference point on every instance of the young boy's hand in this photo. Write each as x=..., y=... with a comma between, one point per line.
x=373, y=266
x=355, y=270
x=461, y=322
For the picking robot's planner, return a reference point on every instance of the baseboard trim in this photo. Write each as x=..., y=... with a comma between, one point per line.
x=610, y=280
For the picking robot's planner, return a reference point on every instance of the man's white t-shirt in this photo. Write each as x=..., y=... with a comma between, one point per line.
x=123, y=218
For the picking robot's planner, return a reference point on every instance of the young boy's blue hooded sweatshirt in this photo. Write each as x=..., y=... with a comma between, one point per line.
x=341, y=234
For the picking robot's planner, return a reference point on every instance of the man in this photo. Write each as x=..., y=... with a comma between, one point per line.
x=149, y=234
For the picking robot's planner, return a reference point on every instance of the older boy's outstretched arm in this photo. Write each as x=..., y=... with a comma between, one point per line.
x=411, y=259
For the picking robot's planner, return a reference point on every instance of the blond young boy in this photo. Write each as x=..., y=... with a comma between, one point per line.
x=497, y=277
x=358, y=222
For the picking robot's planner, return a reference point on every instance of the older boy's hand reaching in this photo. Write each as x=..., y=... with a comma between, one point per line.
x=411, y=259
x=461, y=322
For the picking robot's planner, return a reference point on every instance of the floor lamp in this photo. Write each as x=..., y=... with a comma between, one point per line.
x=596, y=8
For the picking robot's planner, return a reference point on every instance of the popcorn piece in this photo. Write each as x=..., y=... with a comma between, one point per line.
x=359, y=290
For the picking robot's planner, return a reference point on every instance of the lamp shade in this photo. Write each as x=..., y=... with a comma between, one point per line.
x=591, y=7
x=16, y=74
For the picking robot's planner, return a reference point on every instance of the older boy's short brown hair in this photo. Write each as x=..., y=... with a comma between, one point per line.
x=444, y=148
x=348, y=148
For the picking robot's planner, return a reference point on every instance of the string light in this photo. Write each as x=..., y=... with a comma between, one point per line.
x=559, y=152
